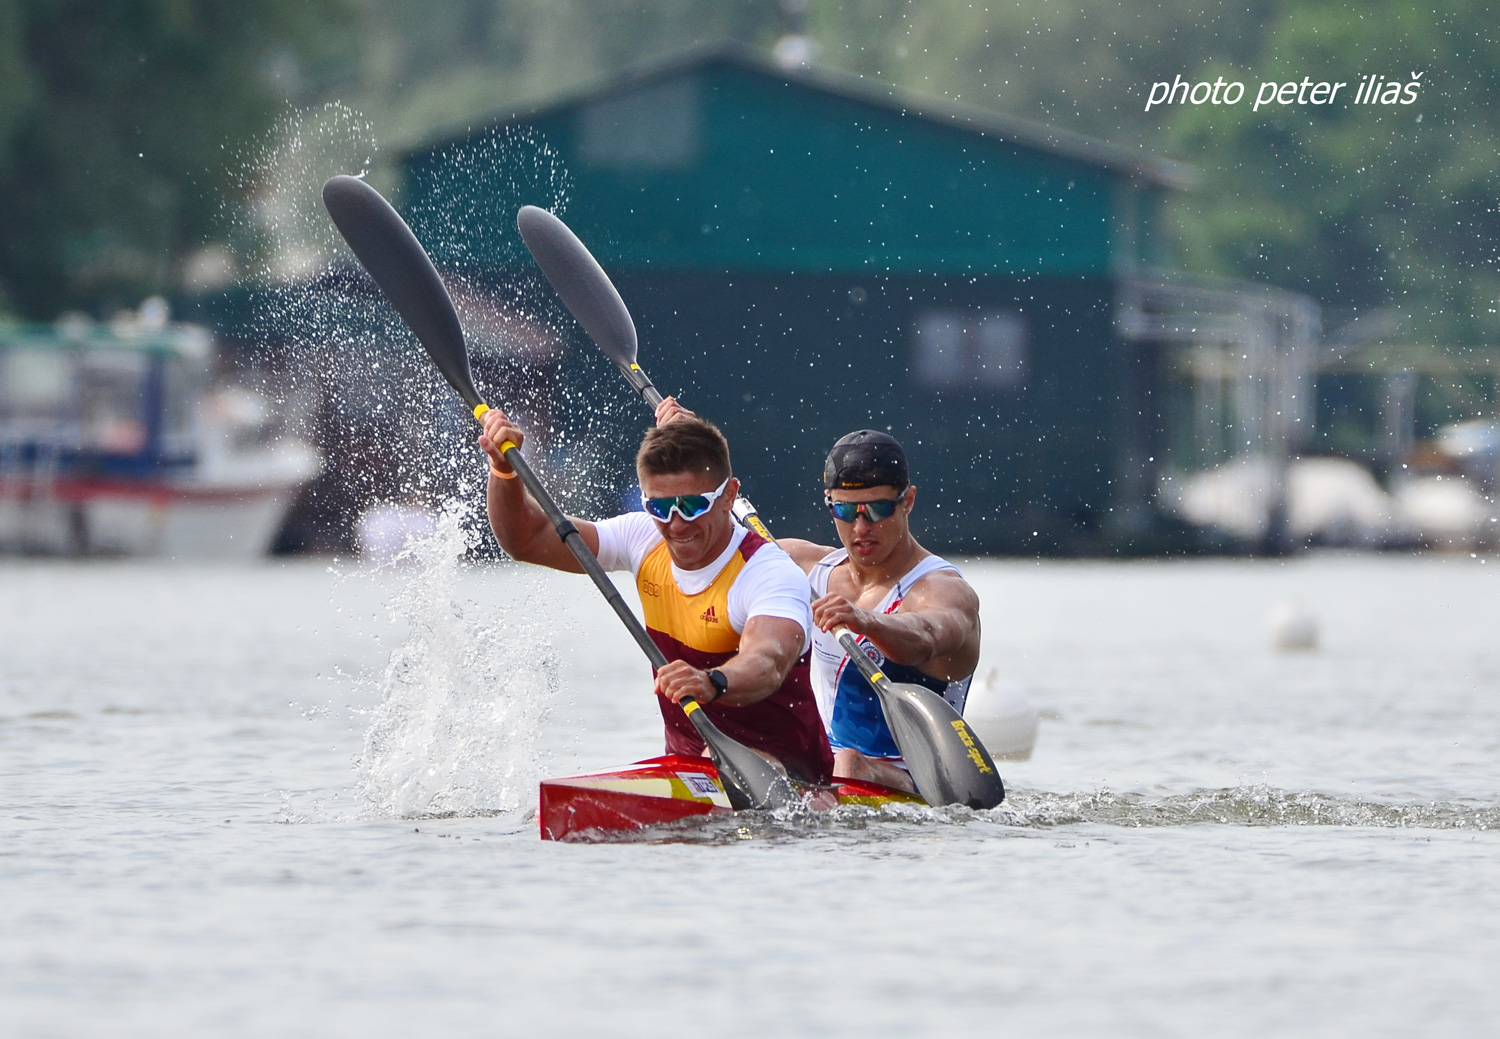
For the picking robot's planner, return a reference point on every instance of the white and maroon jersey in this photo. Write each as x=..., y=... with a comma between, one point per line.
x=699, y=615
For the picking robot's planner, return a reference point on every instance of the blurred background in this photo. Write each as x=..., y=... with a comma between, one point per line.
x=1100, y=329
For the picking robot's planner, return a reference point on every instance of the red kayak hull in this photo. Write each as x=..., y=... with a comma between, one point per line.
x=664, y=790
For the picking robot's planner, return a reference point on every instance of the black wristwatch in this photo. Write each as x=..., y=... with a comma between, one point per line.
x=720, y=683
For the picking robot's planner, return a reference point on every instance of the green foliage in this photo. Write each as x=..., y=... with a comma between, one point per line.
x=123, y=122
x=1360, y=205
x=1084, y=66
x=15, y=78
x=118, y=117
x=446, y=64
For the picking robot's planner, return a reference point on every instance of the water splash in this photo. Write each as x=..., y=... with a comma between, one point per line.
x=528, y=354
x=464, y=209
x=286, y=238
x=346, y=370
x=462, y=708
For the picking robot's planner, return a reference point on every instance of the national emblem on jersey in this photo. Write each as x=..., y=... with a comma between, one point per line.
x=858, y=719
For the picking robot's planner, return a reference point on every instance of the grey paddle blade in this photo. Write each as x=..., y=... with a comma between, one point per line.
x=947, y=762
x=400, y=266
x=580, y=282
x=402, y=269
x=749, y=779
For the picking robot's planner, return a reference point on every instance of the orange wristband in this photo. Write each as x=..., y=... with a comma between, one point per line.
x=498, y=473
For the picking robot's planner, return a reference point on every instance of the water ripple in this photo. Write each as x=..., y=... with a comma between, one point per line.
x=1040, y=810
x=1238, y=806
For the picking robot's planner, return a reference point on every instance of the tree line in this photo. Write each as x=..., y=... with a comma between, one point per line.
x=123, y=122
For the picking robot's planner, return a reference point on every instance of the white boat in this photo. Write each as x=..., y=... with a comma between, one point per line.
x=111, y=443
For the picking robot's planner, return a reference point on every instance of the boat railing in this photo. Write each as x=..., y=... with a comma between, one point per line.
x=32, y=457
x=33, y=451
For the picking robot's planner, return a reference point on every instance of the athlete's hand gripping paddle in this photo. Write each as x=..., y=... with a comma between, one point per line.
x=387, y=248
x=948, y=764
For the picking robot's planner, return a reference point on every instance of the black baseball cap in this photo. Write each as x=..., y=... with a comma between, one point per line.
x=865, y=458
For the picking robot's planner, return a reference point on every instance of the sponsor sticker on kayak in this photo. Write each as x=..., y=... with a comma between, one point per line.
x=699, y=784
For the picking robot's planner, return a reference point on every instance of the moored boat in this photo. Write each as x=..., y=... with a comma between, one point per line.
x=112, y=442
x=667, y=789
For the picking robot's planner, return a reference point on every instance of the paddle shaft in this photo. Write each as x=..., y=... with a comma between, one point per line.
x=641, y=383
x=567, y=532
x=392, y=255
x=979, y=758
x=866, y=666
x=726, y=753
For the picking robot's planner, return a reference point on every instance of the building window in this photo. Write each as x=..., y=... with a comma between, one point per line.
x=650, y=128
x=969, y=351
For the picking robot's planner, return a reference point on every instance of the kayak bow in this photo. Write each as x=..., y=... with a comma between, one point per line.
x=667, y=789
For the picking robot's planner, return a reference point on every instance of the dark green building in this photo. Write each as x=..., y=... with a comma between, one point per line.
x=807, y=253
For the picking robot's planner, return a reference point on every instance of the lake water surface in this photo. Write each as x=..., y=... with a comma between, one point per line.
x=294, y=799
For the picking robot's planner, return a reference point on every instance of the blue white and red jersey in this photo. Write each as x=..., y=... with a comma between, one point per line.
x=849, y=707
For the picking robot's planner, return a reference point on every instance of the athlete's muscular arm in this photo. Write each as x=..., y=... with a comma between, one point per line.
x=936, y=629
x=804, y=553
x=769, y=646
x=520, y=526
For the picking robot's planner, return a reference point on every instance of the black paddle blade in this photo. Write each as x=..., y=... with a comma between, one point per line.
x=580, y=282
x=947, y=762
x=401, y=267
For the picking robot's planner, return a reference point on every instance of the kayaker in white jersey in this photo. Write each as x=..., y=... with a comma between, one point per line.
x=913, y=612
x=727, y=608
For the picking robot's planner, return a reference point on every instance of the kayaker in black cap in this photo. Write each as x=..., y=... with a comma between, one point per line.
x=912, y=611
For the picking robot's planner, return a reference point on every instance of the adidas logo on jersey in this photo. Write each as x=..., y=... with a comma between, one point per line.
x=708, y=616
